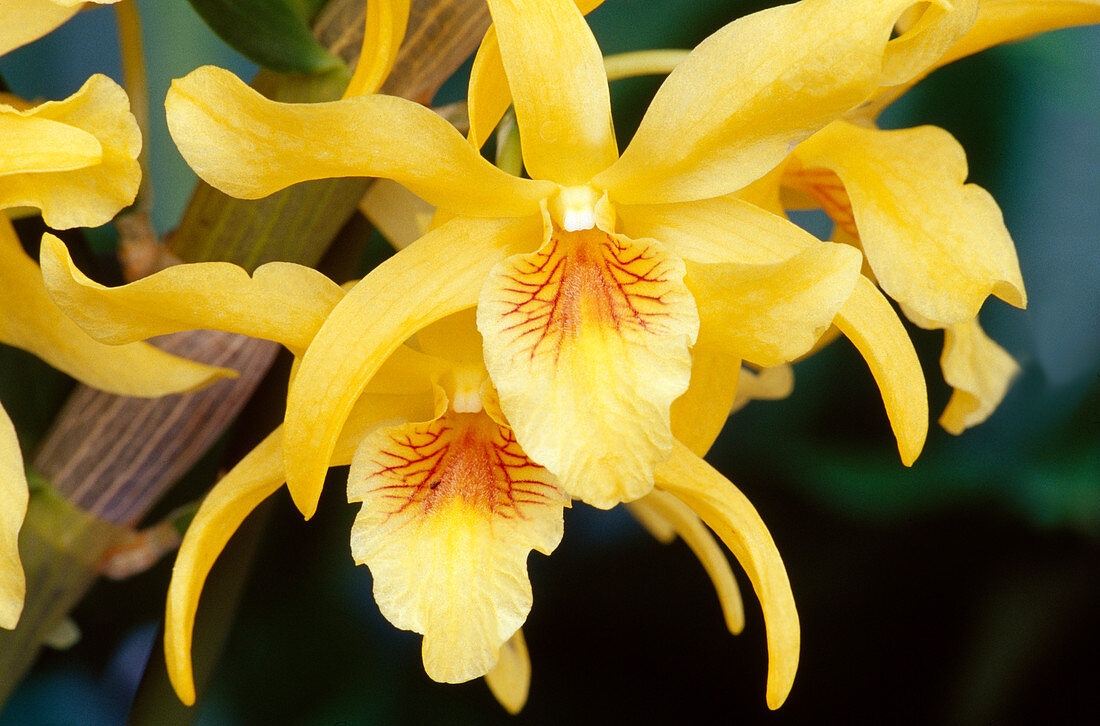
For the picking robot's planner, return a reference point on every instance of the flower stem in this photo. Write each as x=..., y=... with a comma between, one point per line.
x=135, y=80
x=642, y=63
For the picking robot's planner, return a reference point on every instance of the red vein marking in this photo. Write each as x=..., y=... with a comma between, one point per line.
x=460, y=455
x=582, y=277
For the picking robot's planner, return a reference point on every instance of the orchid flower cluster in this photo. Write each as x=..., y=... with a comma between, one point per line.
x=574, y=332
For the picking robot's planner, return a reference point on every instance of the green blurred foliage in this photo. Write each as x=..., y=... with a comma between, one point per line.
x=274, y=34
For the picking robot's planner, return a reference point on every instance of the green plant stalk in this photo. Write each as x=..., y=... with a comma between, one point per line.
x=61, y=547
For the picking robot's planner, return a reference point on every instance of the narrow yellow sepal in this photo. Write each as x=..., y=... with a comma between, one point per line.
x=446, y=268
x=76, y=159
x=697, y=417
x=401, y=216
x=254, y=479
x=559, y=89
x=385, y=29
x=767, y=384
x=248, y=146
x=747, y=94
x=1003, y=21
x=257, y=476
x=30, y=320
x=868, y=320
x=13, y=508
x=280, y=301
x=998, y=21
x=489, y=95
x=651, y=520
x=937, y=26
x=726, y=511
x=510, y=679
x=687, y=525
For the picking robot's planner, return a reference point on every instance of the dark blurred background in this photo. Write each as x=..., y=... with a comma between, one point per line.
x=961, y=591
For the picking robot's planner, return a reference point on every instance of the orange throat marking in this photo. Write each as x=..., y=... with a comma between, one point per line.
x=463, y=456
x=826, y=188
x=583, y=280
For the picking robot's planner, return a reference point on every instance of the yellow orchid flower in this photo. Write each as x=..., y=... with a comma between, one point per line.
x=28, y=20
x=75, y=160
x=589, y=312
x=997, y=22
x=441, y=476
x=936, y=245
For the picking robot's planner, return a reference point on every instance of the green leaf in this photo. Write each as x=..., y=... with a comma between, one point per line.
x=307, y=9
x=273, y=33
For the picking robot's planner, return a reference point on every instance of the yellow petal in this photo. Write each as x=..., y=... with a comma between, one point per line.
x=93, y=139
x=223, y=510
x=489, y=95
x=873, y=327
x=510, y=679
x=724, y=229
x=30, y=320
x=397, y=213
x=936, y=245
x=256, y=477
x=385, y=29
x=696, y=536
x=979, y=370
x=587, y=343
x=998, y=21
x=699, y=415
x=1003, y=21
x=768, y=384
x=407, y=372
x=28, y=20
x=249, y=146
x=451, y=509
x=934, y=30
x=559, y=89
x=445, y=269
x=772, y=314
x=13, y=507
x=280, y=301
x=747, y=94
x=767, y=193
x=36, y=145
x=735, y=521
x=658, y=527
x=454, y=338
